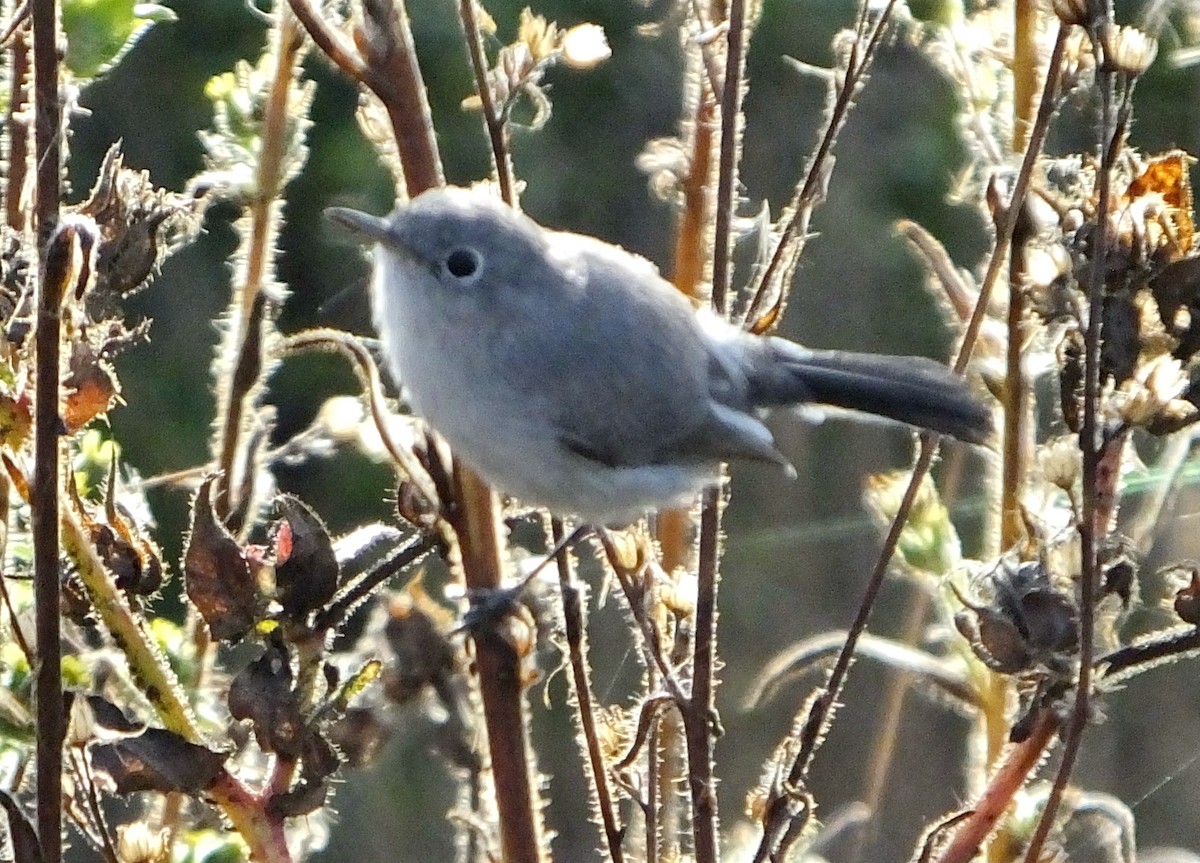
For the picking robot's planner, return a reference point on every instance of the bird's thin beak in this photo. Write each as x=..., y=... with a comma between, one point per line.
x=363, y=224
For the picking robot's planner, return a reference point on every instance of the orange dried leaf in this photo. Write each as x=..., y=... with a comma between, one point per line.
x=1166, y=177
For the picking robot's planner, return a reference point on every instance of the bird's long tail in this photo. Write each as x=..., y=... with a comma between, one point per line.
x=912, y=390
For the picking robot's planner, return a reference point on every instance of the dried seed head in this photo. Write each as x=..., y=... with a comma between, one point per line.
x=585, y=46
x=1127, y=49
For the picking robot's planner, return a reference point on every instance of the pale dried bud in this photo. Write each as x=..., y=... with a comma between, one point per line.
x=1060, y=462
x=1127, y=49
x=1155, y=389
x=140, y=843
x=585, y=46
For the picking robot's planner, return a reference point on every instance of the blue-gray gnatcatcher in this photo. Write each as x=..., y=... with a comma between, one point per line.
x=571, y=375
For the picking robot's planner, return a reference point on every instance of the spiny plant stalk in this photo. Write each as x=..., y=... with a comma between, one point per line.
x=54, y=269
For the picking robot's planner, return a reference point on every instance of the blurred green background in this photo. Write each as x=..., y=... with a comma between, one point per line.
x=798, y=552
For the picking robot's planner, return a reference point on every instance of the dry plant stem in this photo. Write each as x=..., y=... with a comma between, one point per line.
x=388, y=67
x=499, y=675
x=1143, y=655
x=1008, y=779
x=673, y=528
x=332, y=617
x=17, y=161
x=1017, y=403
x=1025, y=70
x=1094, y=523
x=44, y=490
x=497, y=129
x=733, y=88
x=699, y=712
x=245, y=367
x=573, y=627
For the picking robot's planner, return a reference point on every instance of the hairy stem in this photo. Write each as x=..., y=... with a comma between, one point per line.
x=56, y=248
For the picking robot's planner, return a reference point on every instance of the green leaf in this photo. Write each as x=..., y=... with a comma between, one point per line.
x=99, y=32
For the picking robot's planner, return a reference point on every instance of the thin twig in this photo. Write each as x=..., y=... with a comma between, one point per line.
x=497, y=128
x=573, y=627
x=331, y=618
x=699, y=713
x=821, y=710
x=812, y=190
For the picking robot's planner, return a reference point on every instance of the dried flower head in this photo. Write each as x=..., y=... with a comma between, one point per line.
x=585, y=46
x=1127, y=49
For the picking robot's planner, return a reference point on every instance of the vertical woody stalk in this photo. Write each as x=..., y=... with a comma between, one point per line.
x=44, y=491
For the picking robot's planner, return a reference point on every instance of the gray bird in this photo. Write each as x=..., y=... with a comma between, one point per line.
x=572, y=376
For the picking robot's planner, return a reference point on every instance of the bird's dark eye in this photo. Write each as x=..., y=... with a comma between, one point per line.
x=463, y=263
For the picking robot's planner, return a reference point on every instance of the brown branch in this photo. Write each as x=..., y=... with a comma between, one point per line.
x=332, y=44
x=392, y=73
x=57, y=249
x=1022, y=758
x=499, y=673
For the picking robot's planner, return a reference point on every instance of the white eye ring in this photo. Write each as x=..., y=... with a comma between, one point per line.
x=464, y=263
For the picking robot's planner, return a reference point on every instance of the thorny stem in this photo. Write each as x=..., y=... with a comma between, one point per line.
x=699, y=712
x=17, y=161
x=497, y=129
x=821, y=711
x=1144, y=655
x=57, y=249
x=1094, y=522
x=573, y=627
x=331, y=618
x=246, y=363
